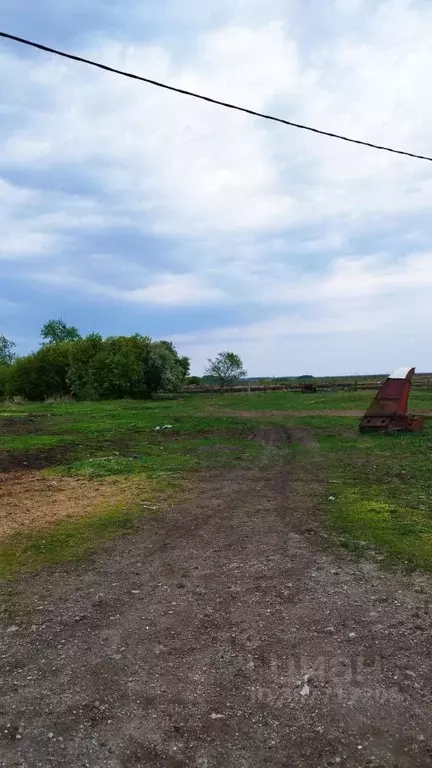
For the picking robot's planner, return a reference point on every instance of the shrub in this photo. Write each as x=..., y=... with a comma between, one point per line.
x=4, y=370
x=193, y=381
x=124, y=366
x=94, y=368
x=41, y=374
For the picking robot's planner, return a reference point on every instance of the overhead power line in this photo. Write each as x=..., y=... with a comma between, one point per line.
x=209, y=99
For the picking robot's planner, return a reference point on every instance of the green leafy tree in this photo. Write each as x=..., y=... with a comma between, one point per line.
x=40, y=375
x=183, y=361
x=7, y=355
x=164, y=370
x=94, y=368
x=4, y=372
x=112, y=368
x=124, y=366
x=56, y=331
x=86, y=367
x=226, y=369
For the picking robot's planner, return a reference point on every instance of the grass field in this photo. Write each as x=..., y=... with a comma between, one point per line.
x=74, y=475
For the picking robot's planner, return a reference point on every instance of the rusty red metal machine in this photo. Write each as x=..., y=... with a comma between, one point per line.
x=388, y=410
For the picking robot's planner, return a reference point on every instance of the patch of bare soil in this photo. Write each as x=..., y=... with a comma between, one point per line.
x=272, y=435
x=224, y=634
x=29, y=500
x=30, y=424
x=12, y=461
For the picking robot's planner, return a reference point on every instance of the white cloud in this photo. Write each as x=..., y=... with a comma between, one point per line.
x=174, y=290
x=13, y=196
x=250, y=206
x=360, y=316
x=193, y=167
x=31, y=243
x=165, y=289
x=354, y=278
x=352, y=296
x=19, y=235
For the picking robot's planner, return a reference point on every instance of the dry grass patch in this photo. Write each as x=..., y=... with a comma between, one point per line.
x=31, y=500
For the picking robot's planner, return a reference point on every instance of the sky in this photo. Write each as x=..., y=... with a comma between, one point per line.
x=128, y=209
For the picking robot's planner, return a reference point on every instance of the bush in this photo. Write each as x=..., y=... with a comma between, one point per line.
x=41, y=374
x=124, y=366
x=94, y=368
x=4, y=370
x=193, y=381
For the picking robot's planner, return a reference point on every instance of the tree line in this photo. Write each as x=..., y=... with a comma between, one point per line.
x=90, y=367
x=96, y=368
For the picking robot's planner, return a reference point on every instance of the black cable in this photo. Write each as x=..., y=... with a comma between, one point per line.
x=158, y=84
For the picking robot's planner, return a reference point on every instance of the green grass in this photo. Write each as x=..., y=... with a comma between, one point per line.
x=120, y=413
x=296, y=401
x=103, y=440
x=157, y=458
x=64, y=541
x=34, y=442
x=382, y=485
x=121, y=437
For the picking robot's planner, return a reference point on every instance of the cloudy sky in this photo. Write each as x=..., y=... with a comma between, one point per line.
x=125, y=208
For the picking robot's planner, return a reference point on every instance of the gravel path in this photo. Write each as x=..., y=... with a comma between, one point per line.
x=224, y=634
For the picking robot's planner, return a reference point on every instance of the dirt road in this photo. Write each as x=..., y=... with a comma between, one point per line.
x=225, y=634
